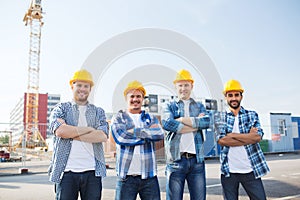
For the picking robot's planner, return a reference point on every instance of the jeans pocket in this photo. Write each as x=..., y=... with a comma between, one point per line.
x=173, y=167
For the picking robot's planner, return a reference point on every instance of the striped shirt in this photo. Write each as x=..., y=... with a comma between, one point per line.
x=69, y=112
x=247, y=119
x=174, y=110
x=126, y=141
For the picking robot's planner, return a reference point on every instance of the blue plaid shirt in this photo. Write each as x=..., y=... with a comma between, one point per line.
x=126, y=141
x=174, y=110
x=69, y=112
x=247, y=119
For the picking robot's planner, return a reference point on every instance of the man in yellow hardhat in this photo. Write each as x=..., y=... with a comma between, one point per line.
x=79, y=129
x=184, y=120
x=135, y=133
x=242, y=160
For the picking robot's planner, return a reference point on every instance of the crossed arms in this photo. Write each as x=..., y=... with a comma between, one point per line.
x=85, y=134
x=237, y=139
x=125, y=133
x=188, y=124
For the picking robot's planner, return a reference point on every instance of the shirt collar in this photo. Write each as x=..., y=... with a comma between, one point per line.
x=76, y=105
x=179, y=100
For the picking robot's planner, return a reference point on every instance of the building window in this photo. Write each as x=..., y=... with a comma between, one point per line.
x=282, y=127
x=53, y=98
x=153, y=100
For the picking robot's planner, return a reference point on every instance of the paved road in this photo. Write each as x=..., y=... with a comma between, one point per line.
x=281, y=184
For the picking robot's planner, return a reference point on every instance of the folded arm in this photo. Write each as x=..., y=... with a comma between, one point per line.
x=85, y=134
x=153, y=133
x=193, y=123
x=122, y=129
x=238, y=139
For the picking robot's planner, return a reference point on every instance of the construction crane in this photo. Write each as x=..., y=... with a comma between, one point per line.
x=31, y=136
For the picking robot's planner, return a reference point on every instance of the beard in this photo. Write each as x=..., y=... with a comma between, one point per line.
x=234, y=106
x=81, y=98
x=135, y=104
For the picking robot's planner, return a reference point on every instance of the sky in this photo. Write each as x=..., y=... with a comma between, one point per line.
x=256, y=42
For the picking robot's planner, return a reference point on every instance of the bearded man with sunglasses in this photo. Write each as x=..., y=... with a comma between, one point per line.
x=242, y=160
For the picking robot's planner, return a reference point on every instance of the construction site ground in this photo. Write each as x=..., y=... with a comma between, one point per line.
x=281, y=183
x=37, y=162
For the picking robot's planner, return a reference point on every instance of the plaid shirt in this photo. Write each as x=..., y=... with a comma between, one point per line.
x=174, y=110
x=126, y=141
x=69, y=112
x=247, y=119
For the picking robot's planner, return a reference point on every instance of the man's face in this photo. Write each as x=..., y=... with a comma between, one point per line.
x=134, y=100
x=234, y=99
x=184, y=89
x=81, y=91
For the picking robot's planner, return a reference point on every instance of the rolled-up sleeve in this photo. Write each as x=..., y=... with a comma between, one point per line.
x=257, y=124
x=102, y=125
x=56, y=113
x=220, y=124
x=168, y=120
x=153, y=134
x=119, y=129
x=202, y=122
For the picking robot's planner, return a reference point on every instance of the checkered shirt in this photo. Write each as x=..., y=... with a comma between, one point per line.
x=174, y=110
x=247, y=119
x=69, y=112
x=126, y=141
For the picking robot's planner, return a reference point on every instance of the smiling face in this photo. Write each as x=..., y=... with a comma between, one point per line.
x=184, y=89
x=81, y=91
x=234, y=99
x=134, y=99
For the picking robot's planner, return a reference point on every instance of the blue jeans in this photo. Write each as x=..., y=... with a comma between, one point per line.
x=252, y=186
x=186, y=169
x=86, y=183
x=129, y=187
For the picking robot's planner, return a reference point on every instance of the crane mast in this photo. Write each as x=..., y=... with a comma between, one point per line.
x=32, y=136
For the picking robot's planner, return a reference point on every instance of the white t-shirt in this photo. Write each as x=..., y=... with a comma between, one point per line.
x=187, y=142
x=237, y=156
x=135, y=164
x=81, y=156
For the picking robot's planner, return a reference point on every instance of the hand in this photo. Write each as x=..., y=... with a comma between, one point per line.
x=154, y=126
x=253, y=130
x=60, y=120
x=130, y=131
x=179, y=119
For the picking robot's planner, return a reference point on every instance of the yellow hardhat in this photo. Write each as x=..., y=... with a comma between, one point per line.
x=82, y=75
x=233, y=85
x=134, y=85
x=183, y=75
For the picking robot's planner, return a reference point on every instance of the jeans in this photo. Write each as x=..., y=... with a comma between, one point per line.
x=186, y=169
x=86, y=183
x=253, y=187
x=129, y=187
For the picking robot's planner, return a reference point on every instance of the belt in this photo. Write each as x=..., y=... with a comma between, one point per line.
x=188, y=155
x=134, y=175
